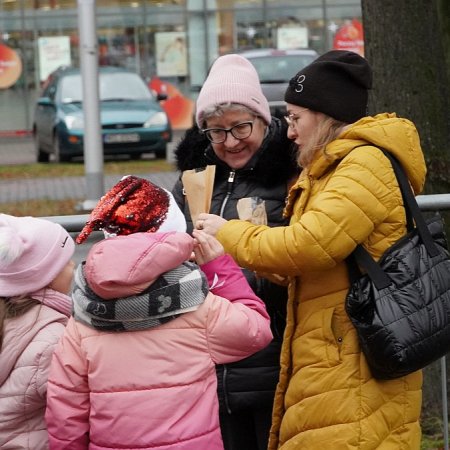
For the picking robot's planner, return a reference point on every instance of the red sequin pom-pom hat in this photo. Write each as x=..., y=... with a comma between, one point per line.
x=134, y=205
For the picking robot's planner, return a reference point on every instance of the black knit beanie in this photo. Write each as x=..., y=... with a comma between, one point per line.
x=335, y=84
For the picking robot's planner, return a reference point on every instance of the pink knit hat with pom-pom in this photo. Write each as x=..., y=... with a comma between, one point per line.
x=33, y=252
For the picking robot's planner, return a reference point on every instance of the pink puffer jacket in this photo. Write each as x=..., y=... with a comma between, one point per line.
x=156, y=388
x=29, y=342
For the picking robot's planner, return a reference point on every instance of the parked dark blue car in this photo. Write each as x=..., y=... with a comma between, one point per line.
x=132, y=120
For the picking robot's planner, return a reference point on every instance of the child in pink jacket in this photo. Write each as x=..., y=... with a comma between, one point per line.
x=36, y=271
x=135, y=368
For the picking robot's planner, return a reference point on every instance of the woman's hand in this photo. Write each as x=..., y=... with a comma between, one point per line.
x=209, y=223
x=206, y=247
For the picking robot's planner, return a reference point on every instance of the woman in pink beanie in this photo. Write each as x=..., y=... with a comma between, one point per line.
x=136, y=365
x=36, y=271
x=254, y=162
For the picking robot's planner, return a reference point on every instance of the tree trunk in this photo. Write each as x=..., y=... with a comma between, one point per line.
x=407, y=43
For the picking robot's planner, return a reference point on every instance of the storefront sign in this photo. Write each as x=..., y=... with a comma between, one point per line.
x=171, y=57
x=292, y=37
x=179, y=108
x=350, y=37
x=10, y=67
x=53, y=52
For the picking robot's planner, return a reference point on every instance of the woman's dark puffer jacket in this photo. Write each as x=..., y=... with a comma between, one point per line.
x=249, y=383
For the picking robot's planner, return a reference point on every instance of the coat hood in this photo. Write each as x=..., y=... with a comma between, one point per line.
x=397, y=135
x=126, y=265
x=273, y=163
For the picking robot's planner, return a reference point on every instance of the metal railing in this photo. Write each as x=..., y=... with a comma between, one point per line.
x=434, y=202
x=439, y=202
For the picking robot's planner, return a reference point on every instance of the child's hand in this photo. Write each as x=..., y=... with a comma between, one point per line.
x=206, y=247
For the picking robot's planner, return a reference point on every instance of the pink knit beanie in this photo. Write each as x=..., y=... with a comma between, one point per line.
x=33, y=252
x=232, y=79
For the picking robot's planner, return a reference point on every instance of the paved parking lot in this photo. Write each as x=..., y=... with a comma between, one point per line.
x=16, y=150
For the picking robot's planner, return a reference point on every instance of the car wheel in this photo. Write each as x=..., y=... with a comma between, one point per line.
x=41, y=156
x=161, y=154
x=58, y=158
x=56, y=151
x=135, y=156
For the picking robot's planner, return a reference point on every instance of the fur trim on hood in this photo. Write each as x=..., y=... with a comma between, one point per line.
x=274, y=162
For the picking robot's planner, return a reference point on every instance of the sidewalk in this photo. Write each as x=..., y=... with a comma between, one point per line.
x=21, y=151
x=67, y=187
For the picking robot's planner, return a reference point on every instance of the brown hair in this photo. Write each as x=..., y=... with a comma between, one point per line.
x=327, y=130
x=13, y=307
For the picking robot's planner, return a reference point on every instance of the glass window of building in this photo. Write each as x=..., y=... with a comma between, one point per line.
x=170, y=43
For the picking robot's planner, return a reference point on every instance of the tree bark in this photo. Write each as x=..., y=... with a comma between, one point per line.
x=407, y=43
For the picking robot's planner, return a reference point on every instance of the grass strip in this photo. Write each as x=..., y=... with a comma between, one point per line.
x=117, y=167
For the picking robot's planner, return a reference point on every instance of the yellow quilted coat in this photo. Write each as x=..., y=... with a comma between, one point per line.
x=326, y=397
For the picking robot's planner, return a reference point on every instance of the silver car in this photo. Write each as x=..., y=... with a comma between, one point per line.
x=275, y=68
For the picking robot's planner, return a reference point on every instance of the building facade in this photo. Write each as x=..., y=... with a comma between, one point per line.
x=168, y=41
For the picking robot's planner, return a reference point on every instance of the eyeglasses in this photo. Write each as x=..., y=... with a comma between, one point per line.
x=240, y=131
x=292, y=118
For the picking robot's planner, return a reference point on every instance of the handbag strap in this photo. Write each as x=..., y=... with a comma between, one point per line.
x=411, y=206
x=362, y=257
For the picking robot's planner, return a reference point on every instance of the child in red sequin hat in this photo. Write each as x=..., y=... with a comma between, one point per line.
x=149, y=326
x=134, y=205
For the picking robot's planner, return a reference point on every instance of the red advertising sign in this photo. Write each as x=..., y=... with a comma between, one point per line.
x=179, y=108
x=10, y=67
x=350, y=37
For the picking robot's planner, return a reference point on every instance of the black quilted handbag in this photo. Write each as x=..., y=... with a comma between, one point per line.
x=400, y=306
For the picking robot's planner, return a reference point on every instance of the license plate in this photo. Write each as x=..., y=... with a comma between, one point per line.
x=121, y=138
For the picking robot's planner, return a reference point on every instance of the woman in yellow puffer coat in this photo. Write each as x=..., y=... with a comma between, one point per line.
x=346, y=194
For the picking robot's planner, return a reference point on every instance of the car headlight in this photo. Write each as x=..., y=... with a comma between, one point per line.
x=74, y=122
x=158, y=119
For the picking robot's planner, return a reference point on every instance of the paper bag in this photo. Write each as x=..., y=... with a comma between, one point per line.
x=198, y=186
x=252, y=209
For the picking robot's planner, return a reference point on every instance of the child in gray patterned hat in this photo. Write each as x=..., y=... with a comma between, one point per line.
x=139, y=355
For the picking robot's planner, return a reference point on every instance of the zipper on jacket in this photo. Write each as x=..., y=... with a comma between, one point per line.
x=230, y=187
x=229, y=191
x=224, y=387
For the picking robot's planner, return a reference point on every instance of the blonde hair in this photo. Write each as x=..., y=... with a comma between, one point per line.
x=11, y=307
x=327, y=130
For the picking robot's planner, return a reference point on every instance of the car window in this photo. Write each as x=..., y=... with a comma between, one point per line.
x=50, y=90
x=280, y=69
x=126, y=86
x=112, y=86
x=70, y=89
